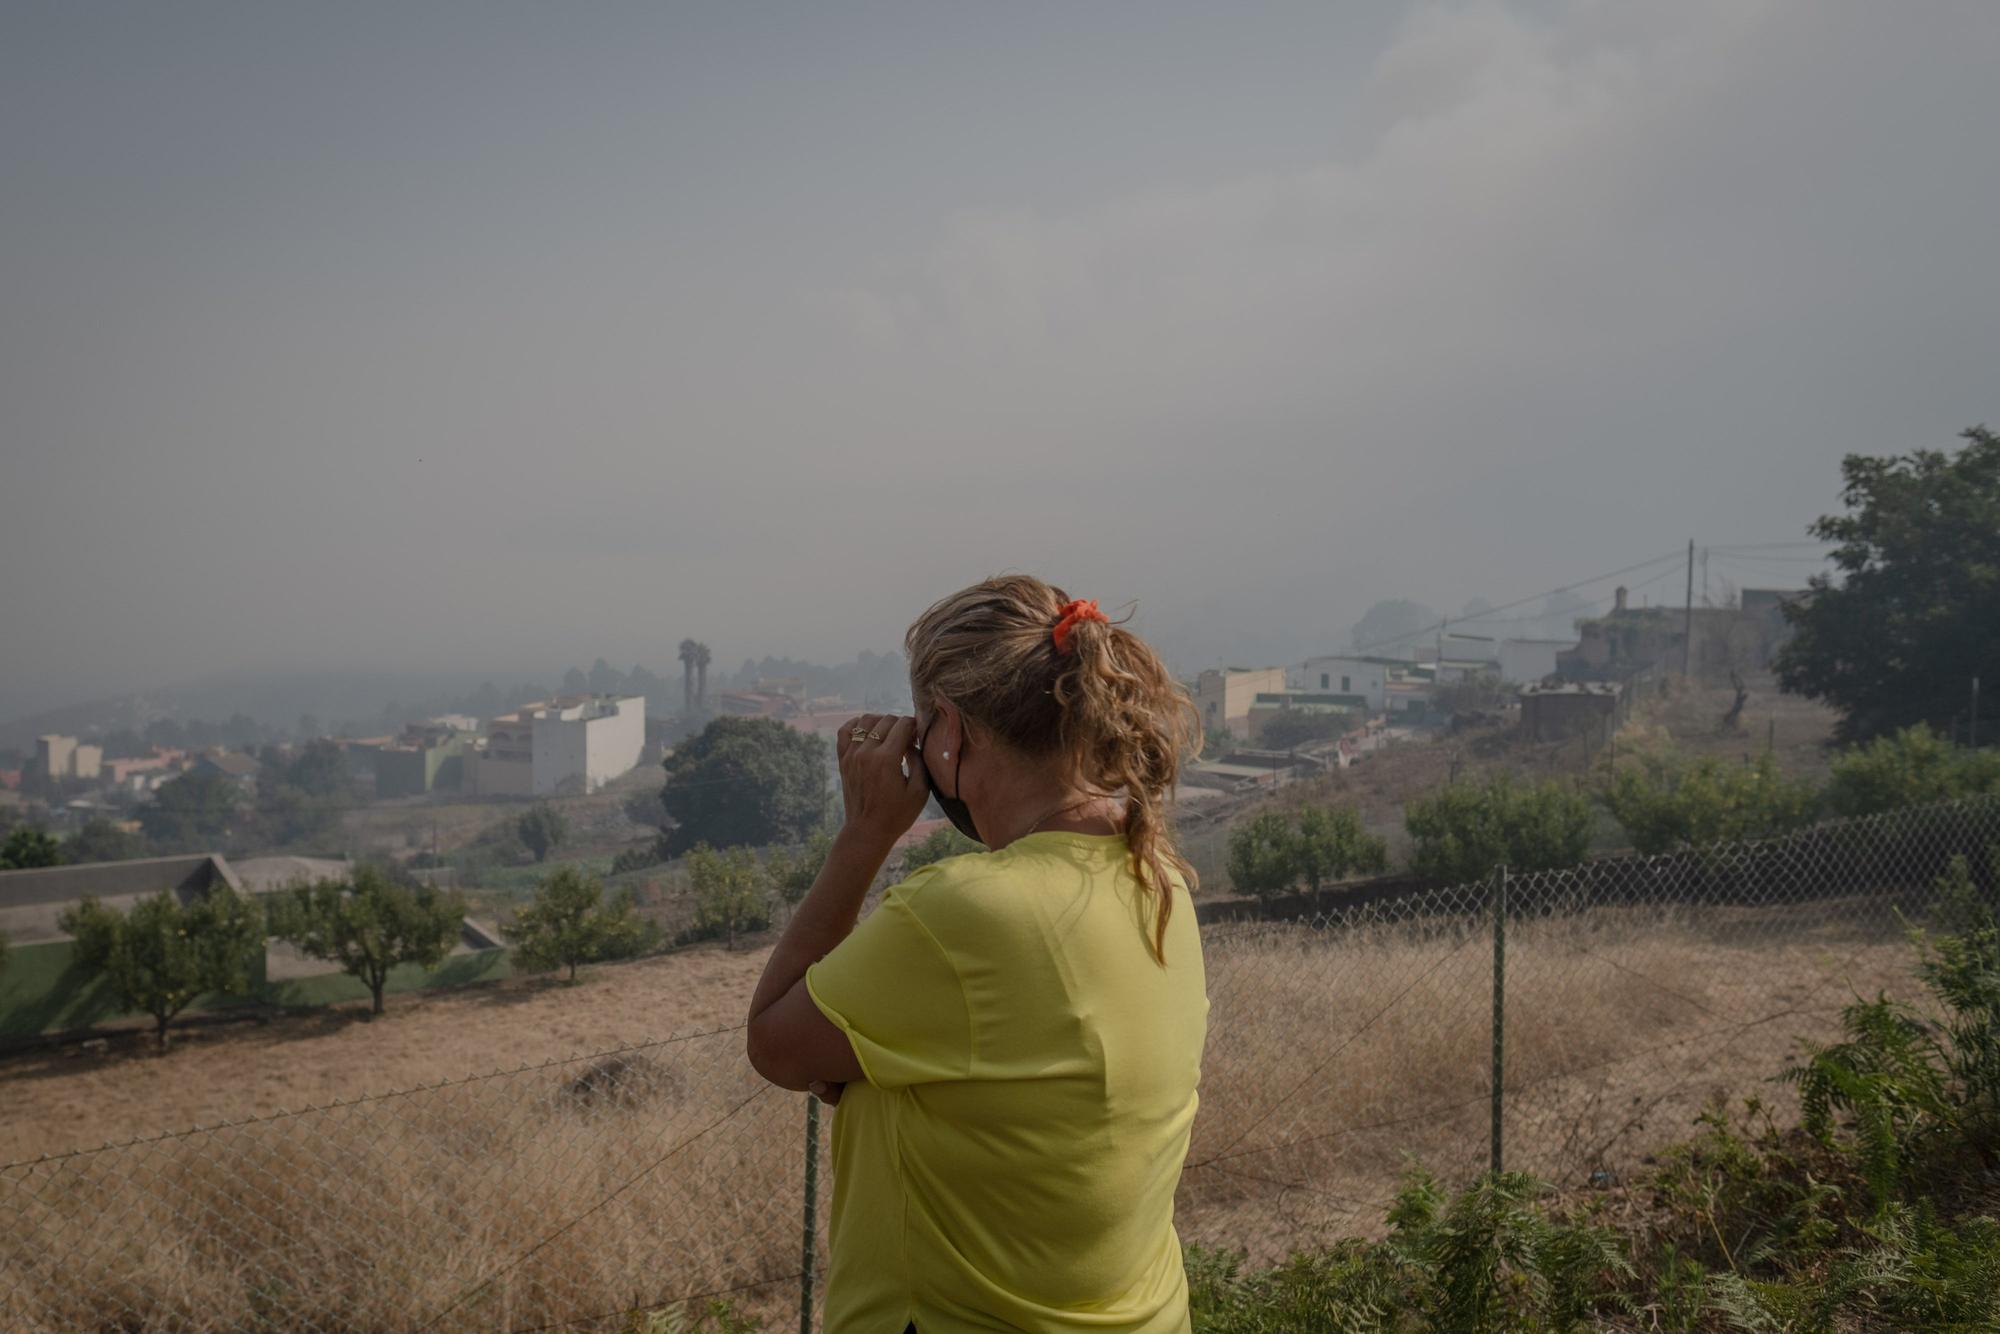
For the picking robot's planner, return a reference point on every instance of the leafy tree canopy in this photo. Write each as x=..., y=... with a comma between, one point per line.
x=319, y=769
x=1916, y=614
x=27, y=848
x=369, y=924
x=190, y=812
x=542, y=830
x=569, y=923
x=162, y=954
x=729, y=893
x=744, y=781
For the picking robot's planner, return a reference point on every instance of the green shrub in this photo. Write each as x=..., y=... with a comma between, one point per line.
x=1489, y=1259
x=1709, y=801
x=639, y=858
x=793, y=870
x=1270, y=854
x=541, y=829
x=29, y=848
x=729, y=894
x=1909, y=768
x=1907, y=1099
x=1261, y=860
x=1463, y=831
x=568, y=923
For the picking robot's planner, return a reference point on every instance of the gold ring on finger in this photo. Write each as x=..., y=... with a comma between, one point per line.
x=874, y=736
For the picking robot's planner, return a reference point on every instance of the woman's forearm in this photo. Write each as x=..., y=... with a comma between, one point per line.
x=826, y=914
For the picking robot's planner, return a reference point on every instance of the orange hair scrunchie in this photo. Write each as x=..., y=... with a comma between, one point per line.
x=1073, y=613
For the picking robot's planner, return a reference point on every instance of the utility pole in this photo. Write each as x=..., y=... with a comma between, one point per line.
x=1972, y=729
x=1687, y=626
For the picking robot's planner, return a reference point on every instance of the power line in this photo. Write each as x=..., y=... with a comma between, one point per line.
x=1765, y=546
x=1517, y=602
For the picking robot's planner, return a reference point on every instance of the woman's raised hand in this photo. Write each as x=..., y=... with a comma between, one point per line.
x=881, y=777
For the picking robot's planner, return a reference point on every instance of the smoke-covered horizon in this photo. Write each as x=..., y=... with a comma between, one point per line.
x=489, y=339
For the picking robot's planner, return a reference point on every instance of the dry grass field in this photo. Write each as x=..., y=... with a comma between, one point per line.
x=589, y=1185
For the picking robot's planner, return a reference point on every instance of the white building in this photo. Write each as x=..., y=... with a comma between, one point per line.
x=579, y=745
x=1527, y=661
x=560, y=747
x=1339, y=674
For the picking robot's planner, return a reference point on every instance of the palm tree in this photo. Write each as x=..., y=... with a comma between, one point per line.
x=701, y=676
x=688, y=651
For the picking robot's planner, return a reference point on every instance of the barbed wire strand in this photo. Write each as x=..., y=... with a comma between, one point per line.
x=342, y=1104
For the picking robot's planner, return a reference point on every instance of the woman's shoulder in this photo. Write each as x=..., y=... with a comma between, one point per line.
x=943, y=880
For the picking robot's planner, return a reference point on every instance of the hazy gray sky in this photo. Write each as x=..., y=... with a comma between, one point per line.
x=430, y=335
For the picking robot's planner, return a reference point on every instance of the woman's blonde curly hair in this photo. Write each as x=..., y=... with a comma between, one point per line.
x=1104, y=702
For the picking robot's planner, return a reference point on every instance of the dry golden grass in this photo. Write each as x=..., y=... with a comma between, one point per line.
x=580, y=1187
x=1332, y=1062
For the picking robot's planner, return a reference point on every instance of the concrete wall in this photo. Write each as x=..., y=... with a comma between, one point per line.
x=502, y=778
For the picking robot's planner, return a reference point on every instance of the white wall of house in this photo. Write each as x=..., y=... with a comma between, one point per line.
x=587, y=745
x=1343, y=676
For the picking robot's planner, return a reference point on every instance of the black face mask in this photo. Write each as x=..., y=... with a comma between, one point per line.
x=955, y=809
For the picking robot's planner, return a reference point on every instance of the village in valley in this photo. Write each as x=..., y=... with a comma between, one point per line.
x=445, y=800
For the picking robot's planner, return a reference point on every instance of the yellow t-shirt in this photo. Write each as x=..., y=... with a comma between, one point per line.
x=1011, y=1161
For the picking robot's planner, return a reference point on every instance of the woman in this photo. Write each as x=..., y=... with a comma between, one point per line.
x=1013, y=1037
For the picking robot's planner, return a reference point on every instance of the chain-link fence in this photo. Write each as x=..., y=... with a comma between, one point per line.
x=1612, y=999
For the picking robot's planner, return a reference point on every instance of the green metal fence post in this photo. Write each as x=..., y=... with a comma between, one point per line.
x=1499, y=1005
x=812, y=1215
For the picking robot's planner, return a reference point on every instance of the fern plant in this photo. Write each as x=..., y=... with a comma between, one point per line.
x=1903, y=1096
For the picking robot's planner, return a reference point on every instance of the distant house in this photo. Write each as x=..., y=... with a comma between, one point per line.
x=1224, y=696
x=233, y=765
x=576, y=743
x=426, y=757
x=754, y=704
x=61, y=758
x=1632, y=639
x=121, y=773
x=1349, y=674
